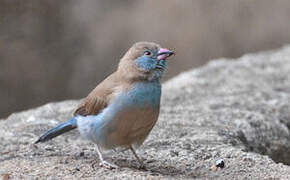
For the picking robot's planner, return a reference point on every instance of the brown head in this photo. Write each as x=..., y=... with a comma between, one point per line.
x=144, y=61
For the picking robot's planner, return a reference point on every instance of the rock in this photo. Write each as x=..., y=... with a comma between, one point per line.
x=236, y=110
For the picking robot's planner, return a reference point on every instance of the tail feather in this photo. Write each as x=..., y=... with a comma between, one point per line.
x=60, y=129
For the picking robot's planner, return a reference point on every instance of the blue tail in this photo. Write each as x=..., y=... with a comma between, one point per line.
x=58, y=130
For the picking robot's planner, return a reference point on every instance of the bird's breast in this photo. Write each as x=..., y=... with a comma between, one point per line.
x=141, y=94
x=139, y=100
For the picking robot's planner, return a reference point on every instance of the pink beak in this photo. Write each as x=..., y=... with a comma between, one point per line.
x=163, y=54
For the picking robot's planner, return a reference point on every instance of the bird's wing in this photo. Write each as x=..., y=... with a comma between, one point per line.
x=99, y=98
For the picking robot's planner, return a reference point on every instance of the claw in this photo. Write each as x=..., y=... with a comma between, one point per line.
x=104, y=163
x=142, y=166
x=108, y=165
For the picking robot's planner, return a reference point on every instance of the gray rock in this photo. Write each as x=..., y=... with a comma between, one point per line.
x=238, y=111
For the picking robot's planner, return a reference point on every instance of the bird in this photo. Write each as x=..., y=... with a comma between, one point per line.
x=121, y=111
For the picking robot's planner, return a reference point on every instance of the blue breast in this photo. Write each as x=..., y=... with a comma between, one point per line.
x=141, y=94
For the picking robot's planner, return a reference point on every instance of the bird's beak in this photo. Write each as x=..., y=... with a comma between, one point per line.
x=163, y=54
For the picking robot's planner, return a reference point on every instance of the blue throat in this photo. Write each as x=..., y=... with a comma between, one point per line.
x=146, y=63
x=151, y=64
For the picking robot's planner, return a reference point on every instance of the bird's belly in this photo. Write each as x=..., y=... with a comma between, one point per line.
x=131, y=126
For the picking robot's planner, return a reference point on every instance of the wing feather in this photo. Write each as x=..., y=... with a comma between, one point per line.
x=99, y=98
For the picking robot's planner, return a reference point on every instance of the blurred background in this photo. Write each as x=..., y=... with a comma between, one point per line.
x=55, y=50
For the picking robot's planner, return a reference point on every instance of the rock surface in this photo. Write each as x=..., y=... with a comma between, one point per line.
x=235, y=110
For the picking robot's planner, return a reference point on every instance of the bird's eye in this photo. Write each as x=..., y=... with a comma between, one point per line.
x=147, y=53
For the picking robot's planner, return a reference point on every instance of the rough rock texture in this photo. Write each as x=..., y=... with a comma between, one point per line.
x=235, y=110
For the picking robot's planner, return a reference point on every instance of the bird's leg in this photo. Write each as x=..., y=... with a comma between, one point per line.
x=142, y=166
x=105, y=163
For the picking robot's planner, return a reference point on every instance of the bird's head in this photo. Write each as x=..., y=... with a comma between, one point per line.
x=145, y=60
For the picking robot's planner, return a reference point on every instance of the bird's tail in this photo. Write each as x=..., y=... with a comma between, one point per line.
x=58, y=130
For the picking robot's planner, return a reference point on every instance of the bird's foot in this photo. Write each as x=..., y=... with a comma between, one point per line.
x=108, y=165
x=142, y=166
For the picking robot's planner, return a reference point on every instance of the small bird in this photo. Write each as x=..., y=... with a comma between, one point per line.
x=121, y=111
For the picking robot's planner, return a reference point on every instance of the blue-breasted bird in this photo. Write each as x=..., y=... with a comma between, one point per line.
x=121, y=110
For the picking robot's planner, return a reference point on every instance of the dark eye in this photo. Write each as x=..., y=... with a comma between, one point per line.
x=147, y=53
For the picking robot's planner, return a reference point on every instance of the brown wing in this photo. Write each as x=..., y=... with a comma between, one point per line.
x=99, y=98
